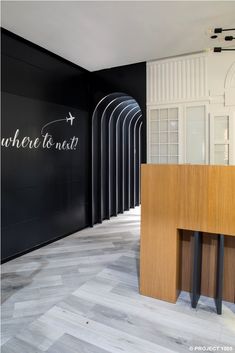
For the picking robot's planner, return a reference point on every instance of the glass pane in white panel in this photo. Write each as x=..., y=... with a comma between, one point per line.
x=163, y=150
x=154, y=126
x=155, y=149
x=163, y=113
x=173, y=125
x=195, y=135
x=154, y=137
x=173, y=137
x=163, y=131
x=221, y=154
x=154, y=159
x=221, y=127
x=154, y=114
x=163, y=159
x=173, y=160
x=173, y=150
x=163, y=137
x=163, y=125
x=173, y=113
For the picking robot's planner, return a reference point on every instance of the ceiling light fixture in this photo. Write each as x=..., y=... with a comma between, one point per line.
x=220, y=30
x=219, y=49
x=228, y=38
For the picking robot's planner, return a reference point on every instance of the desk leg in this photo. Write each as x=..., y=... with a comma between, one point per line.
x=219, y=274
x=196, y=268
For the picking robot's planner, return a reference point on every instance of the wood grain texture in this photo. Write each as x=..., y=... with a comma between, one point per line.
x=189, y=197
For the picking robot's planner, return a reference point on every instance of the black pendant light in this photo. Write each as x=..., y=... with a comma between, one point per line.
x=226, y=38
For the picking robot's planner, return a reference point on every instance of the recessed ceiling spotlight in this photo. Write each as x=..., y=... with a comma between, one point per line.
x=209, y=31
x=208, y=50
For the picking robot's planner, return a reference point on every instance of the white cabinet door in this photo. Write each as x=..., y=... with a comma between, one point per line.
x=196, y=132
x=163, y=135
x=221, y=135
x=184, y=134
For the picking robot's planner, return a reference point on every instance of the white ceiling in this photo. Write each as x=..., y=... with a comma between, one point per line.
x=103, y=34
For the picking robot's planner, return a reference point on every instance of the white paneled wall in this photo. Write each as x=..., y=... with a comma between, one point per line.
x=177, y=79
x=192, y=84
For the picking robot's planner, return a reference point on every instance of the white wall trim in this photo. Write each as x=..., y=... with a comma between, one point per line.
x=177, y=79
x=198, y=79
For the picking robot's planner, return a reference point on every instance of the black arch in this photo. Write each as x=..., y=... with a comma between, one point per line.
x=113, y=154
x=139, y=166
x=136, y=163
x=96, y=155
x=120, y=157
x=114, y=170
x=130, y=155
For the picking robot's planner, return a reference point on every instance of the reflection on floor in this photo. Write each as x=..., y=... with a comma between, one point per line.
x=80, y=295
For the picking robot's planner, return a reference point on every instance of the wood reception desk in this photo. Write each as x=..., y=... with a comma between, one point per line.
x=177, y=199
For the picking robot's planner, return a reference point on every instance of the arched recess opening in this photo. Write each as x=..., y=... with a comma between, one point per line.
x=230, y=77
x=116, y=156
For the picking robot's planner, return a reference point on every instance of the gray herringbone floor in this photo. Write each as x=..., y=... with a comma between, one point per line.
x=80, y=295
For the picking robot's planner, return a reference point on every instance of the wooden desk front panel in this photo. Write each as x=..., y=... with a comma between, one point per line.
x=180, y=197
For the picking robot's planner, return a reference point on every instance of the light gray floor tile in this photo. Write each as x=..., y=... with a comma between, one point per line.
x=70, y=344
x=81, y=295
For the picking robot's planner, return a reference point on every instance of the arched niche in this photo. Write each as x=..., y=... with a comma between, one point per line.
x=115, y=157
x=230, y=86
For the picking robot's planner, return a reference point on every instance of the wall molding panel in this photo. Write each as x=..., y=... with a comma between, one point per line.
x=191, y=84
x=177, y=79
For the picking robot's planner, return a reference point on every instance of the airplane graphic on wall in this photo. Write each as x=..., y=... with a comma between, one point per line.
x=71, y=118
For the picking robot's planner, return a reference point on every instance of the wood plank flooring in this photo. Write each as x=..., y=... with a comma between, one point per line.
x=80, y=295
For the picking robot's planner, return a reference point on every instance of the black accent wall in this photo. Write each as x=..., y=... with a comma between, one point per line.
x=46, y=193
